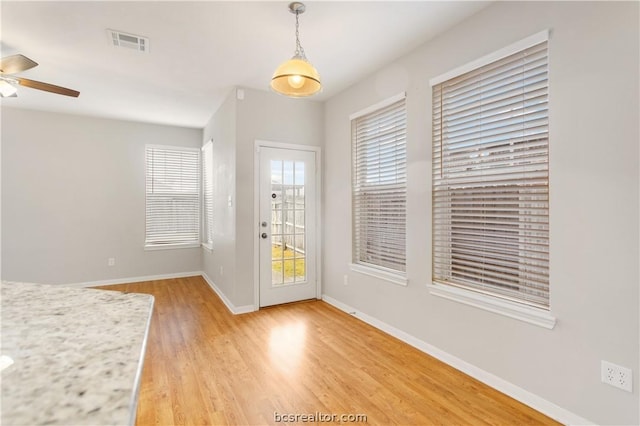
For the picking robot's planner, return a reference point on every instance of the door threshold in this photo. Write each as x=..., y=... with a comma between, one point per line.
x=295, y=302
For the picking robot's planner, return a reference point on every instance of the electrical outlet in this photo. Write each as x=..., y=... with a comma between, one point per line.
x=345, y=280
x=615, y=375
x=222, y=270
x=111, y=261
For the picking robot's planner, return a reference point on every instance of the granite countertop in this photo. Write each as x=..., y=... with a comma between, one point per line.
x=77, y=354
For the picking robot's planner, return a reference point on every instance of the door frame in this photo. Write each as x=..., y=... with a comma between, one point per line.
x=256, y=212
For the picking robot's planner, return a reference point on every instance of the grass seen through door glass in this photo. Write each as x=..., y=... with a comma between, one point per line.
x=276, y=253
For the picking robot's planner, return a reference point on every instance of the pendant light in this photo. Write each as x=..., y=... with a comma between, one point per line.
x=296, y=77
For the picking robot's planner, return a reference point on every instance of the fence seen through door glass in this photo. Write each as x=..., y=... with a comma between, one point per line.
x=287, y=222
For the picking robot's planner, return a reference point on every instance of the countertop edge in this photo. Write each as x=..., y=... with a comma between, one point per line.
x=133, y=407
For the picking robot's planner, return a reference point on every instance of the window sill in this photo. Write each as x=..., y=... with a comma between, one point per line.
x=514, y=310
x=170, y=246
x=207, y=247
x=393, y=277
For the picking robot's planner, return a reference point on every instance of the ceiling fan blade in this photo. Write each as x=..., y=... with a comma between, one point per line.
x=47, y=87
x=16, y=63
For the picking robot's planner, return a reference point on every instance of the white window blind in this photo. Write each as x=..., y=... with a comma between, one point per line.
x=207, y=193
x=172, y=196
x=491, y=179
x=379, y=187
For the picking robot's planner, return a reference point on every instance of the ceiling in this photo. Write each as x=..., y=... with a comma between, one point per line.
x=200, y=50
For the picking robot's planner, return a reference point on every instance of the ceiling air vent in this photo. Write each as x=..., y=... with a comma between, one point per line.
x=129, y=41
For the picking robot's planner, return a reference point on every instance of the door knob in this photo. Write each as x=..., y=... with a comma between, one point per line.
x=264, y=235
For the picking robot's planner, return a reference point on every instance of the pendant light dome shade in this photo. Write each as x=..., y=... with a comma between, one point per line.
x=296, y=77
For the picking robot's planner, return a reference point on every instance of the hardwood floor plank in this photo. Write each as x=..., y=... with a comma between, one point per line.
x=206, y=366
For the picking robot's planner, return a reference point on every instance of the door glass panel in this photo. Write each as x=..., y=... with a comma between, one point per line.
x=276, y=251
x=299, y=219
x=276, y=171
x=299, y=173
x=300, y=270
x=276, y=226
x=276, y=272
x=289, y=193
x=287, y=222
x=288, y=172
x=299, y=231
x=299, y=245
x=288, y=271
x=276, y=222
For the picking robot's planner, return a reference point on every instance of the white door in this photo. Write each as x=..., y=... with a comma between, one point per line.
x=287, y=230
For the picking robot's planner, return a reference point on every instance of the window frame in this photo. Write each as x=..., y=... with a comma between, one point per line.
x=383, y=272
x=151, y=244
x=537, y=315
x=207, y=207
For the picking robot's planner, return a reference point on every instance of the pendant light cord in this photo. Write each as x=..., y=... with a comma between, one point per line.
x=299, y=50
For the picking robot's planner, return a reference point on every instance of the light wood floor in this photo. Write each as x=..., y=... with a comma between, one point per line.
x=206, y=366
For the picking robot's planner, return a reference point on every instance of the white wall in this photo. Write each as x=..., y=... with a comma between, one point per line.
x=265, y=116
x=260, y=115
x=220, y=264
x=594, y=207
x=73, y=196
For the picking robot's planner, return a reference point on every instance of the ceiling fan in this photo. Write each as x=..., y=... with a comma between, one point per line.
x=18, y=63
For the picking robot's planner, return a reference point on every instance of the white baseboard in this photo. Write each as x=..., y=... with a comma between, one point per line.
x=540, y=404
x=134, y=279
x=236, y=310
